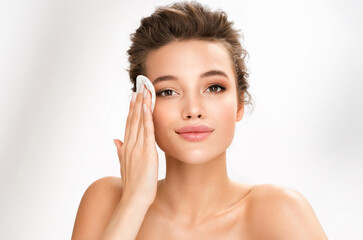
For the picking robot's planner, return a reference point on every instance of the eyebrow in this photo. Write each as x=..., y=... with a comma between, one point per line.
x=203, y=75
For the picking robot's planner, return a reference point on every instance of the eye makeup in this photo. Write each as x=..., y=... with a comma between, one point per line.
x=218, y=86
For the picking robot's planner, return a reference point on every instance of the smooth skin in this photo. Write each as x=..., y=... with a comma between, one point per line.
x=196, y=200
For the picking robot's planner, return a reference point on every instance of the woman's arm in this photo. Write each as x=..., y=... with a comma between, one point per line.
x=282, y=213
x=126, y=221
x=103, y=214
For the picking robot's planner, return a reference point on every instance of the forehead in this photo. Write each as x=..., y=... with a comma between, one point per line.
x=188, y=59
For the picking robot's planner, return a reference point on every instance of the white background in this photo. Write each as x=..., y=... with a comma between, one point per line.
x=65, y=92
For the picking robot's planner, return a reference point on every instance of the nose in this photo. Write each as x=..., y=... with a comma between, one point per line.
x=193, y=107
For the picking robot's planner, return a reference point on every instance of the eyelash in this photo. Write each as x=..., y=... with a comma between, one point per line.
x=214, y=85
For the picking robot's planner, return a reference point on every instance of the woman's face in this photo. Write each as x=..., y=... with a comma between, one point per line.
x=187, y=97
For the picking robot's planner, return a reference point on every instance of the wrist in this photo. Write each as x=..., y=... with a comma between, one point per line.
x=138, y=203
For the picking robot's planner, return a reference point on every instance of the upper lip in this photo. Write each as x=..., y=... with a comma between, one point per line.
x=194, y=129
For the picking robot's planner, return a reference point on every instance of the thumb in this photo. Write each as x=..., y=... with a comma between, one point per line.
x=118, y=143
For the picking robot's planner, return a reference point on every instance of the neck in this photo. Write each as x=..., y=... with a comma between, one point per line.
x=194, y=191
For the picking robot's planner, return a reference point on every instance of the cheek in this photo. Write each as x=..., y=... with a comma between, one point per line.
x=227, y=116
x=162, y=119
x=225, y=111
x=159, y=119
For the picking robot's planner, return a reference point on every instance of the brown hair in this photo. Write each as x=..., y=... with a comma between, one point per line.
x=185, y=21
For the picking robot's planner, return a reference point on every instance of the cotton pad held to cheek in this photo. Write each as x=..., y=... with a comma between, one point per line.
x=140, y=80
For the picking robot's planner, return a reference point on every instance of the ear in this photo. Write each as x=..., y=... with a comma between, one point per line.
x=240, y=111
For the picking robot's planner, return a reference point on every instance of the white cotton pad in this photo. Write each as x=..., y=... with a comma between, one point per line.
x=140, y=80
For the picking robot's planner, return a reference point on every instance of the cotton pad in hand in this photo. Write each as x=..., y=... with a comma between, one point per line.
x=140, y=80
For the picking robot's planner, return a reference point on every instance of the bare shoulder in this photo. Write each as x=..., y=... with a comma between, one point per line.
x=96, y=208
x=281, y=213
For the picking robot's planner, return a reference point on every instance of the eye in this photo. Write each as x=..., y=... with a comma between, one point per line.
x=167, y=92
x=164, y=91
x=216, y=86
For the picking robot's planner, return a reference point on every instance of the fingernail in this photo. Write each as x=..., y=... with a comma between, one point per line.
x=114, y=142
x=133, y=96
x=144, y=106
x=145, y=91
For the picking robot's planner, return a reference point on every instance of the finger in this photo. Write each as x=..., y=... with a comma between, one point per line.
x=140, y=137
x=131, y=107
x=149, y=135
x=135, y=119
x=123, y=162
x=119, y=144
x=122, y=166
x=131, y=133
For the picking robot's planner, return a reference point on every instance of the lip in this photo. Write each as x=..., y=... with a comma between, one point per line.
x=195, y=137
x=194, y=133
x=194, y=129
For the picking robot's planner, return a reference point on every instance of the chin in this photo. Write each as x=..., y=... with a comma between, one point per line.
x=193, y=156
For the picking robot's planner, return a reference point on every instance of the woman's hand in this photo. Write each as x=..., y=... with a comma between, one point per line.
x=137, y=155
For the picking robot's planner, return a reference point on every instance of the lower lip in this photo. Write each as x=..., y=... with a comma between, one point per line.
x=195, y=137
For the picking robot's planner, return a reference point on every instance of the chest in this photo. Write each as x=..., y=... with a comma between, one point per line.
x=230, y=225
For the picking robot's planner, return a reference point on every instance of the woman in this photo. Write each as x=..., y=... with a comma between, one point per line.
x=195, y=61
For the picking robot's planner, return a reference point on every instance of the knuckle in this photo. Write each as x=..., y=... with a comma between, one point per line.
x=133, y=122
x=136, y=115
x=130, y=113
x=127, y=152
x=138, y=145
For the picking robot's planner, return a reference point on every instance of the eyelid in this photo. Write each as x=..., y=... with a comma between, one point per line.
x=218, y=85
x=211, y=85
x=164, y=90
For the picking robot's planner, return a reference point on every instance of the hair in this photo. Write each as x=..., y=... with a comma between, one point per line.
x=188, y=21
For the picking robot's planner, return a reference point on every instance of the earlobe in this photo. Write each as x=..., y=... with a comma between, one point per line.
x=240, y=112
